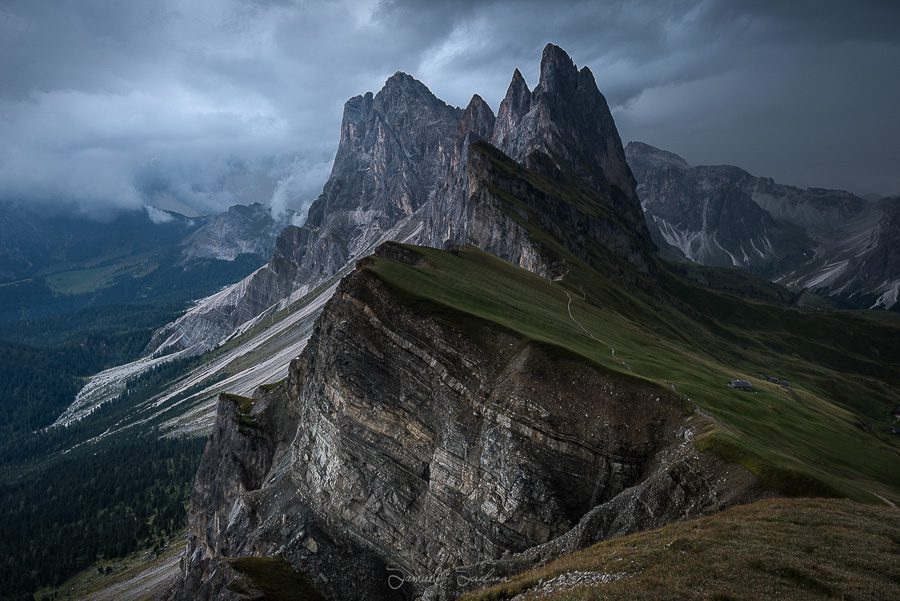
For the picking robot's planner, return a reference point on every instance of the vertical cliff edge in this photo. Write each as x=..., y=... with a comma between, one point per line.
x=416, y=448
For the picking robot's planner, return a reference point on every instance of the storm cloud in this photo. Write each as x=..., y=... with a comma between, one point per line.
x=197, y=105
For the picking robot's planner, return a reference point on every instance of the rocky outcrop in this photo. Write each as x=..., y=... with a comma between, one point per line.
x=822, y=240
x=562, y=131
x=445, y=216
x=393, y=154
x=241, y=230
x=566, y=125
x=538, y=222
x=407, y=448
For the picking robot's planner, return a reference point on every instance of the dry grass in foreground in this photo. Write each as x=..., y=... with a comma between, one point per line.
x=773, y=549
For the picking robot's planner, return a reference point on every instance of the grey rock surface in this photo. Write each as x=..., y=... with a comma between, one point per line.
x=394, y=150
x=561, y=130
x=403, y=444
x=445, y=215
x=242, y=229
x=828, y=241
x=408, y=455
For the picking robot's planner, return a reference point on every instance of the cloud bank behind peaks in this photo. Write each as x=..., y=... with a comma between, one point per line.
x=194, y=106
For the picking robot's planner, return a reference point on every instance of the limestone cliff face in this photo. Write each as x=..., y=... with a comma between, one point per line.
x=445, y=216
x=829, y=241
x=422, y=447
x=519, y=215
x=394, y=153
x=562, y=131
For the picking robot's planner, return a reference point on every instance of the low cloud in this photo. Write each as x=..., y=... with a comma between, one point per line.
x=158, y=217
x=298, y=188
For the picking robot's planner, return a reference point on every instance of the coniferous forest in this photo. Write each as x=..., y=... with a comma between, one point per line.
x=102, y=504
x=66, y=505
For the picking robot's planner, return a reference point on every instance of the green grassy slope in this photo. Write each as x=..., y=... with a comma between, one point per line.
x=800, y=440
x=773, y=549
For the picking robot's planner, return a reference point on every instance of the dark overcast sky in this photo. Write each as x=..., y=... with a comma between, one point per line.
x=202, y=103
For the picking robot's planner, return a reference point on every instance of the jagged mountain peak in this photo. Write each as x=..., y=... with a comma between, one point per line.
x=518, y=94
x=562, y=130
x=512, y=109
x=517, y=100
x=558, y=71
x=477, y=117
x=565, y=125
x=402, y=86
x=560, y=76
x=567, y=118
x=402, y=78
x=403, y=99
x=518, y=85
x=477, y=103
x=644, y=152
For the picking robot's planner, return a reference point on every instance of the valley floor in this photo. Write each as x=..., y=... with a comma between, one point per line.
x=137, y=577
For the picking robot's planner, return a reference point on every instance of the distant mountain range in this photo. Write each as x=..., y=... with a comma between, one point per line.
x=827, y=241
x=50, y=265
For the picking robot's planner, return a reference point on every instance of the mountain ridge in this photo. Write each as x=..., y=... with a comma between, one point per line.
x=816, y=239
x=401, y=173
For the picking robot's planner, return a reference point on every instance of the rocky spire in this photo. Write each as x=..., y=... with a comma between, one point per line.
x=558, y=73
x=477, y=120
x=564, y=130
x=513, y=108
x=565, y=124
x=445, y=215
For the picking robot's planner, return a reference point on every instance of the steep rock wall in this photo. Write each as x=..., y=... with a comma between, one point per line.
x=410, y=445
